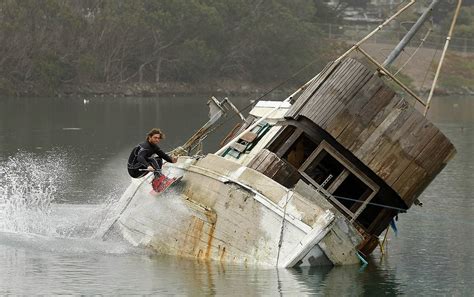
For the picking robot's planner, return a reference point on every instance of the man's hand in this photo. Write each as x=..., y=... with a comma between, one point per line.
x=150, y=168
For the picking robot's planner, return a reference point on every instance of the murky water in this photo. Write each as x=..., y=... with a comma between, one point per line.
x=62, y=167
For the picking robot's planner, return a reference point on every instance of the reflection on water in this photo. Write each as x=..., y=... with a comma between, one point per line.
x=86, y=267
x=62, y=168
x=454, y=110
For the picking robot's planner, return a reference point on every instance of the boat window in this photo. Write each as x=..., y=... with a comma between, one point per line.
x=370, y=214
x=352, y=192
x=300, y=150
x=347, y=188
x=324, y=169
x=281, y=139
x=247, y=141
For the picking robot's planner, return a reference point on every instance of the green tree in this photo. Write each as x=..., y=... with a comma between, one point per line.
x=47, y=43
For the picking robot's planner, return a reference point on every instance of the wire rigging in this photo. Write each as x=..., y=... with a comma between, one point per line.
x=254, y=102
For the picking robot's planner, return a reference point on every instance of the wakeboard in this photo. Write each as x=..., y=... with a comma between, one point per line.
x=162, y=183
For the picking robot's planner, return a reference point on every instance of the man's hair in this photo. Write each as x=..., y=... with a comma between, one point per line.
x=155, y=131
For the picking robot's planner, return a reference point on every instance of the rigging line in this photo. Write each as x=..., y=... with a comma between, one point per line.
x=260, y=98
x=280, y=242
x=354, y=47
x=349, y=199
x=401, y=210
x=443, y=56
x=284, y=82
x=426, y=73
x=372, y=203
x=414, y=53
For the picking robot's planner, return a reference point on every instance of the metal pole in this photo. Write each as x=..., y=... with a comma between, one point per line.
x=379, y=27
x=406, y=39
x=386, y=72
x=448, y=38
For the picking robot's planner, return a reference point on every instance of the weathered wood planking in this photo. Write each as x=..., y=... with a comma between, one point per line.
x=369, y=118
x=364, y=91
x=321, y=88
x=387, y=156
x=372, y=144
x=397, y=160
x=258, y=159
x=377, y=126
x=360, y=80
x=272, y=166
x=429, y=162
x=333, y=88
x=439, y=149
x=309, y=91
x=351, y=122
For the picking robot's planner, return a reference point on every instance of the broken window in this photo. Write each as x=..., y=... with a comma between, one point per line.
x=350, y=190
x=281, y=139
x=247, y=141
x=300, y=150
x=324, y=169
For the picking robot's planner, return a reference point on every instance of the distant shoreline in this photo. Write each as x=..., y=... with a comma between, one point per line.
x=182, y=89
x=226, y=88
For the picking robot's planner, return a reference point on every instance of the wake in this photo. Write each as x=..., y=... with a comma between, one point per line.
x=29, y=185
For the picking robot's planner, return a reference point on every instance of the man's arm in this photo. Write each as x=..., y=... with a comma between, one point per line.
x=164, y=155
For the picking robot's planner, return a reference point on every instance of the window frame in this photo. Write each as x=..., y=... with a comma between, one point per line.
x=348, y=169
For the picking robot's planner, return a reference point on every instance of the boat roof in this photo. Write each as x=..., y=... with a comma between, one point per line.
x=263, y=107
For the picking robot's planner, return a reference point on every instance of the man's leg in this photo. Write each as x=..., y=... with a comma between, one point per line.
x=157, y=163
x=136, y=173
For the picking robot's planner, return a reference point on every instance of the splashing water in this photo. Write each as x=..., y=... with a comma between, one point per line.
x=30, y=218
x=88, y=226
x=28, y=183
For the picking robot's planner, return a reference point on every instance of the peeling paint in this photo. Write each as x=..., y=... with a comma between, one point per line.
x=225, y=222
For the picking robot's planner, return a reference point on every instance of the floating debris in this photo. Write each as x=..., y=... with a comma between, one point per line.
x=72, y=129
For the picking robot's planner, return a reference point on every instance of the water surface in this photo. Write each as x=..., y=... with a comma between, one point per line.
x=62, y=167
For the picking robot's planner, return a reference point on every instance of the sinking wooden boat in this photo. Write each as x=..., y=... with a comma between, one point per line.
x=312, y=180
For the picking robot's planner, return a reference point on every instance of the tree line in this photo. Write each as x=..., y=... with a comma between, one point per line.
x=52, y=42
x=48, y=43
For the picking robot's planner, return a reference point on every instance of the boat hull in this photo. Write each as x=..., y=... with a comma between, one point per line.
x=235, y=215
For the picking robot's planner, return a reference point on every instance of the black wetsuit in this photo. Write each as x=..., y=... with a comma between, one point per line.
x=141, y=158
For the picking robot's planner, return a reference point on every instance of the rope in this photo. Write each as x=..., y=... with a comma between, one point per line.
x=416, y=50
x=262, y=96
x=383, y=243
x=280, y=241
x=402, y=210
x=431, y=63
x=268, y=92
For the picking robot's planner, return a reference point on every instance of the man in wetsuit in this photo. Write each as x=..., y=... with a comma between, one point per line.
x=142, y=159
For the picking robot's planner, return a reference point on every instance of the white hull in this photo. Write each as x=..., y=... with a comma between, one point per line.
x=226, y=212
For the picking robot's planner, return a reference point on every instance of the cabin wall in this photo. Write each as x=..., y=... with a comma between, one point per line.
x=275, y=168
x=378, y=127
x=282, y=164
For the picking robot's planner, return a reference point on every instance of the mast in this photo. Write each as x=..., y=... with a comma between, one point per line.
x=406, y=39
x=441, y=60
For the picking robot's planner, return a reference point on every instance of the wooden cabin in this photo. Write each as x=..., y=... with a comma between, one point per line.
x=353, y=138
